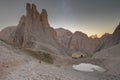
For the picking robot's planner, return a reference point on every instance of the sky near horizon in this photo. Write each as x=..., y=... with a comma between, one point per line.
x=89, y=16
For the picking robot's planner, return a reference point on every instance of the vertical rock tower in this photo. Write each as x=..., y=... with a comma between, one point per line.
x=34, y=31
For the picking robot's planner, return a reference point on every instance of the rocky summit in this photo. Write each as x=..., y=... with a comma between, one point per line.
x=34, y=32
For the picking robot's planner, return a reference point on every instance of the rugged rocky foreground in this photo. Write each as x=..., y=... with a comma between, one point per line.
x=17, y=64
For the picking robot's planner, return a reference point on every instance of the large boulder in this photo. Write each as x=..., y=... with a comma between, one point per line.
x=78, y=55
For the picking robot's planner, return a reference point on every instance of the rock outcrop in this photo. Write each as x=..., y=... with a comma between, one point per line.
x=34, y=32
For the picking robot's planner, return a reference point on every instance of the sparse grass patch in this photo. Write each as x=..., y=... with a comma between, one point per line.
x=46, y=57
x=42, y=56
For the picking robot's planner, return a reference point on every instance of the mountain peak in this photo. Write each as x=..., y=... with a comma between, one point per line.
x=28, y=9
x=44, y=12
x=44, y=17
x=33, y=15
x=94, y=36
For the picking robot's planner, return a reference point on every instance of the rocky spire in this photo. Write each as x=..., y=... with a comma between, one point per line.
x=35, y=14
x=34, y=32
x=28, y=9
x=32, y=13
x=44, y=17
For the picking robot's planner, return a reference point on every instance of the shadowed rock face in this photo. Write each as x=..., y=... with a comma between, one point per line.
x=116, y=34
x=110, y=40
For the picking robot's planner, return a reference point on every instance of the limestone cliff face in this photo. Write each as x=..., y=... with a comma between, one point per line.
x=106, y=40
x=77, y=42
x=35, y=27
x=80, y=42
x=64, y=36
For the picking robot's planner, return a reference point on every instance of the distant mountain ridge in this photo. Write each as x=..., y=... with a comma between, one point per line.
x=34, y=32
x=80, y=42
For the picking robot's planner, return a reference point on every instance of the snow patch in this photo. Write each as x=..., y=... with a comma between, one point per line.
x=86, y=67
